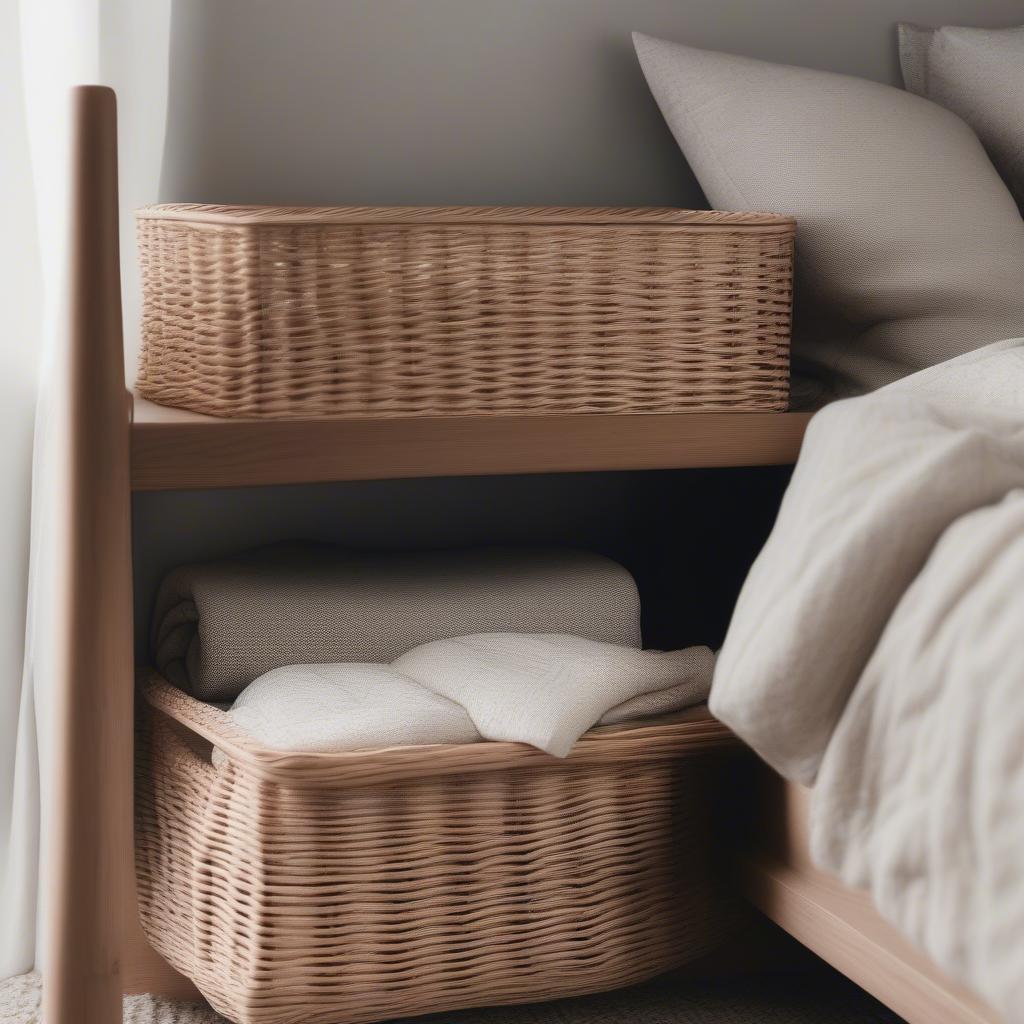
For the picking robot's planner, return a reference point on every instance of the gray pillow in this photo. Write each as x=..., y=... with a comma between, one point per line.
x=910, y=249
x=979, y=74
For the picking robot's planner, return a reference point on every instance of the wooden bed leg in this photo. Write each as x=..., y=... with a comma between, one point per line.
x=91, y=828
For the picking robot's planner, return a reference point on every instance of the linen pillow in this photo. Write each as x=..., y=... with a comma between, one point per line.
x=979, y=74
x=910, y=250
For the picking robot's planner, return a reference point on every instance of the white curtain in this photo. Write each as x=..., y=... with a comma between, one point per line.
x=47, y=46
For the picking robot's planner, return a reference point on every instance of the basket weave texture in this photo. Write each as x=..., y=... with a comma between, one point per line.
x=412, y=311
x=375, y=884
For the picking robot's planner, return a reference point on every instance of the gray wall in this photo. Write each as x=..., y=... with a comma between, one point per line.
x=475, y=101
x=455, y=101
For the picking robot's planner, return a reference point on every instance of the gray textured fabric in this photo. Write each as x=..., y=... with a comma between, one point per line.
x=219, y=625
x=910, y=249
x=820, y=996
x=978, y=74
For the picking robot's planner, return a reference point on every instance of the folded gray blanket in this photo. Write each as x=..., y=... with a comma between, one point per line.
x=217, y=626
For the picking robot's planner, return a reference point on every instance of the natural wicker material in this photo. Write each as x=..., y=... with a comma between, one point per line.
x=406, y=311
x=361, y=886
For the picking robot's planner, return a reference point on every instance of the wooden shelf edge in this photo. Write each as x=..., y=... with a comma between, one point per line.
x=174, y=450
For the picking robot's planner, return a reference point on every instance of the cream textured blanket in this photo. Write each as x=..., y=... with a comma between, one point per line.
x=878, y=649
x=541, y=689
x=219, y=625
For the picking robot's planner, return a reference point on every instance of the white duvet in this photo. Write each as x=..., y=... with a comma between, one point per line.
x=877, y=652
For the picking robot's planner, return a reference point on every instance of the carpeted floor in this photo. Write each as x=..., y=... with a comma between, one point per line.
x=819, y=996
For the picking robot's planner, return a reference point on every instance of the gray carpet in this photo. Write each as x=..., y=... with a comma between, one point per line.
x=819, y=996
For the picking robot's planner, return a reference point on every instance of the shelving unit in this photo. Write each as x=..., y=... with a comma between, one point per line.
x=117, y=443
x=172, y=449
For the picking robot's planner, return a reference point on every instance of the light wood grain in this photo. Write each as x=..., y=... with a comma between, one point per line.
x=91, y=828
x=172, y=449
x=96, y=949
x=841, y=925
x=145, y=970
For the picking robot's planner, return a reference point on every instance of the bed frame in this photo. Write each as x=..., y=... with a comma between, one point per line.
x=840, y=924
x=114, y=445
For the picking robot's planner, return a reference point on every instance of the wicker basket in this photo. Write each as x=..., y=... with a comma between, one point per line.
x=404, y=311
x=374, y=884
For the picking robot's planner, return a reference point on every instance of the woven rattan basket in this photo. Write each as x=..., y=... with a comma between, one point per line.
x=382, y=883
x=405, y=311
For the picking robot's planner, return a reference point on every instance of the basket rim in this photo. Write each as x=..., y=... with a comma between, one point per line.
x=241, y=216
x=666, y=737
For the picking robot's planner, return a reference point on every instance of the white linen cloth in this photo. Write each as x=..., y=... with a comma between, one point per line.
x=345, y=707
x=878, y=648
x=547, y=689
x=542, y=689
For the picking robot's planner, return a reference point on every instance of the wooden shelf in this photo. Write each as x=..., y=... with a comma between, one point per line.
x=172, y=449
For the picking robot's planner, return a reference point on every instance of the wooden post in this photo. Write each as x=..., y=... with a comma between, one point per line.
x=91, y=827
